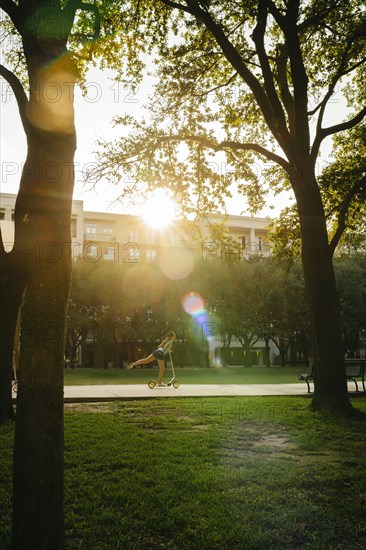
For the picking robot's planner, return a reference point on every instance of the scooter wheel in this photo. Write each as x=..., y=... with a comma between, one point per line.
x=176, y=384
x=151, y=384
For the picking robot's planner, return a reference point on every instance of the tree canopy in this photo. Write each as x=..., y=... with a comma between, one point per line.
x=253, y=81
x=227, y=76
x=236, y=82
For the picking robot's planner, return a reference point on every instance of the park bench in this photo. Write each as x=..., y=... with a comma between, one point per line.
x=308, y=375
x=355, y=368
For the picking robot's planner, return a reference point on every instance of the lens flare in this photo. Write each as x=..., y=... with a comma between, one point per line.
x=176, y=264
x=51, y=104
x=193, y=304
x=159, y=210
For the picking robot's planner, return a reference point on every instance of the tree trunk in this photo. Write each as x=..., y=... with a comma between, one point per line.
x=38, y=451
x=42, y=235
x=246, y=355
x=330, y=385
x=283, y=348
x=266, y=352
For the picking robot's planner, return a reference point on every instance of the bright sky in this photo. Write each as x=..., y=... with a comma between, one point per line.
x=93, y=117
x=94, y=113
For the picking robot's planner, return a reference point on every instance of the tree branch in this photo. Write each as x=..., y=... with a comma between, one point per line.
x=288, y=25
x=12, y=10
x=325, y=132
x=177, y=6
x=258, y=38
x=218, y=87
x=354, y=66
x=341, y=71
x=237, y=62
x=73, y=5
x=317, y=18
x=342, y=216
x=85, y=6
x=234, y=145
x=282, y=80
x=19, y=93
x=257, y=149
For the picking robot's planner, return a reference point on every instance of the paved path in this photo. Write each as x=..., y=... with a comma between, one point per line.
x=141, y=391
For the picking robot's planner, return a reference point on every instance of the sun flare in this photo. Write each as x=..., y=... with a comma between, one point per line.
x=159, y=209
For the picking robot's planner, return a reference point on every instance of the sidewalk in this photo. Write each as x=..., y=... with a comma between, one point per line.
x=142, y=391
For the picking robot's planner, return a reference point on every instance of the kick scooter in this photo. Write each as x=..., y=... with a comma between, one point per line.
x=172, y=382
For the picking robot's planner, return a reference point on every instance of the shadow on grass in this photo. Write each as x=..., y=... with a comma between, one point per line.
x=247, y=473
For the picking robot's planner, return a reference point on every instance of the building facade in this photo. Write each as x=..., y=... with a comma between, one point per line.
x=126, y=238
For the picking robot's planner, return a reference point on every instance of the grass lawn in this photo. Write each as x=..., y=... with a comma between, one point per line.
x=187, y=375
x=247, y=473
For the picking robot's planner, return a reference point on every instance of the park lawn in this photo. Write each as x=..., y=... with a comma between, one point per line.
x=253, y=473
x=186, y=375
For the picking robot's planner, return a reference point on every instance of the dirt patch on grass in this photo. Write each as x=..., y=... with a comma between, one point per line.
x=90, y=408
x=250, y=443
x=276, y=442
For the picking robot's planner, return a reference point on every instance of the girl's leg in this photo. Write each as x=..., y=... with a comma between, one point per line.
x=149, y=359
x=161, y=364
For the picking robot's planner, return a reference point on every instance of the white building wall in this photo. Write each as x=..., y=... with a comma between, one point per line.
x=7, y=232
x=239, y=226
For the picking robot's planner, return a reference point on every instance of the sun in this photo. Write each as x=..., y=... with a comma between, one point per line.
x=159, y=209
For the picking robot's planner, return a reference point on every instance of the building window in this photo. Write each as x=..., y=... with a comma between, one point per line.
x=91, y=231
x=243, y=242
x=259, y=243
x=92, y=251
x=133, y=237
x=2, y=214
x=108, y=253
x=107, y=233
x=12, y=215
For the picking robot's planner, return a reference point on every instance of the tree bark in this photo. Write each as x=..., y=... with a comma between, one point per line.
x=42, y=250
x=330, y=384
x=43, y=242
x=38, y=451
